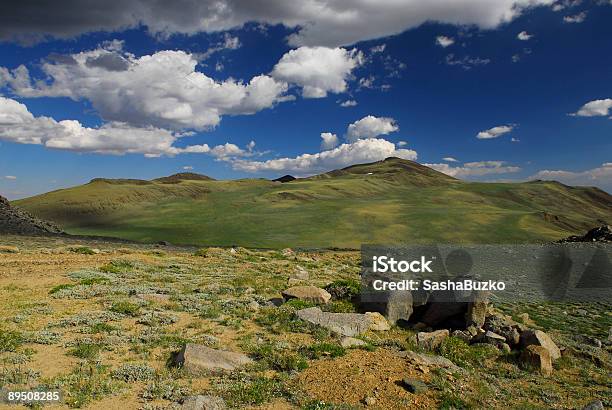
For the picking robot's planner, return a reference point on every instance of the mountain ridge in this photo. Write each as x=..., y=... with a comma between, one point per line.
x=387, y=202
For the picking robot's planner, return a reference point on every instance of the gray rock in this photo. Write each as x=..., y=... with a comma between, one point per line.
x=204, y=403
x=537, y=357
x=491, y=338
x=300, y=274
x=429, y=360
x=477, y=309
x=394, y=306
x=505, y=327
x=196, y=359
x=307, y=293
x=345, y=324
x=431, y=340
x=594, y=405
x=369, y=401
x=378, y=322
x=348, y=342
x=414, y=386
x=540, y=338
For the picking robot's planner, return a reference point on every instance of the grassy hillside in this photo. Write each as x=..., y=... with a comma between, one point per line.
x=392, y=201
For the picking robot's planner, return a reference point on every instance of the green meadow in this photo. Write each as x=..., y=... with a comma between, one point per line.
x=389, y=202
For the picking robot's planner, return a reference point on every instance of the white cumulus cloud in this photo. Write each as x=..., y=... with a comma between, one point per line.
x=348, y=103
x=495, y=132
x=596, y=108
x=524, y=36
x=475, y=169
x=371, y=127
x=449, y=159
x=599, y=176
x=163, y=89
x=576, y=18
x=444, y=41
x=329, y=141
x=318, y=70
x=360, y=151
x=18, y=125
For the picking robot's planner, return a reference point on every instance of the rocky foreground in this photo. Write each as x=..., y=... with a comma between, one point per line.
x=152, y=327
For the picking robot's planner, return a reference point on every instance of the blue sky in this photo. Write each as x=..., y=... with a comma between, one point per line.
x=488, y=91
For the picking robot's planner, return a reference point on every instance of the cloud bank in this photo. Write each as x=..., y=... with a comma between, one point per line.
x=360, y=151
x=18, y=125
x=600, y=176
x=317, y=22
x=163, y=89
x=475, y=169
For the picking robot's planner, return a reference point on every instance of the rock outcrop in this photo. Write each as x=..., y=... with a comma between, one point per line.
x=600, y=234
x=16, y=221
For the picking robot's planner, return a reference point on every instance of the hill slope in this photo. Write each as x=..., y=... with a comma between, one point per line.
x=391, y=201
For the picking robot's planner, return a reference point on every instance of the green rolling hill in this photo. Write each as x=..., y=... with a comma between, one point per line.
x=388, y=202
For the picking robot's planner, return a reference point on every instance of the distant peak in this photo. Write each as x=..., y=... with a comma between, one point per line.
x=393, y=168
x=285, y=178
x=183, y=176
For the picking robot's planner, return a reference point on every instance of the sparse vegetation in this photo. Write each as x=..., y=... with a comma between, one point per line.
x=87, y=351
x=125, y=307
x=122, y=316
x=10, y=340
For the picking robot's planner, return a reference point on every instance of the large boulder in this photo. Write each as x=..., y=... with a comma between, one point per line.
x=307, y=294
x=537, y=357
x=378, y=322
x=345, y=324
x=539, y=338
x=431, y=340
x=477, y=309
x=394, y=306
x=197, y=359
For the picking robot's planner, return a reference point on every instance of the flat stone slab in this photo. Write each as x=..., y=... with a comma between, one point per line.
x=429, y=360
x=345, y=324
x=196, y=358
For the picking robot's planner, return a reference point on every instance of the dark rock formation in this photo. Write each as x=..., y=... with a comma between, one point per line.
x=600, y=234
x=16, y=221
